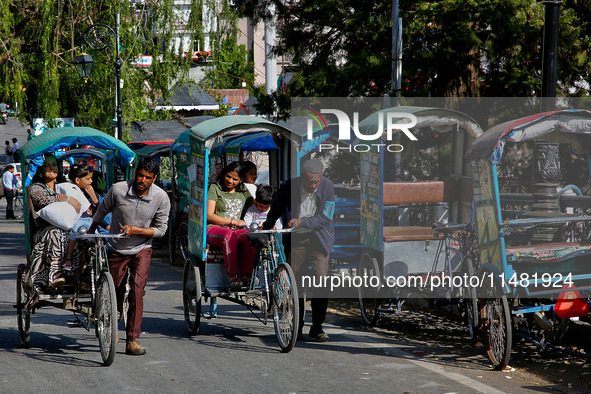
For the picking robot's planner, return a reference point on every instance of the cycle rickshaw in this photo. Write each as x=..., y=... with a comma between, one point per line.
x=402, y=194
x=272, y=289
x=92, y=298
x=533, y=226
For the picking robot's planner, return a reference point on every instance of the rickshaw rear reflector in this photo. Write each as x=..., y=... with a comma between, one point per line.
x=570, y=304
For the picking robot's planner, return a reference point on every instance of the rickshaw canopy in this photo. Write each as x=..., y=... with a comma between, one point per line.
x=209, y=130
x=101, y=154
x=440, y=119
x=65, y=137
x=182, y=143
x=489, y=146
x=153, y=149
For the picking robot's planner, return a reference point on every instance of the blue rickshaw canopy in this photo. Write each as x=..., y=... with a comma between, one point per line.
x=66, y=137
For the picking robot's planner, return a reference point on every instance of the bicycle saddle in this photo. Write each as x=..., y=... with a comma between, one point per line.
x=258, y=239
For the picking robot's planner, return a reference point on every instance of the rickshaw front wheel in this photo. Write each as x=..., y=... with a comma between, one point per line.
x=107, y=317
x=495, y=325
x=192, y=297
x=368, y=295
x=286, y=308
x=23, y=317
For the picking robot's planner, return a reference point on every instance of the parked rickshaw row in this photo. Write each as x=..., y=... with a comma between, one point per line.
x=449, y=212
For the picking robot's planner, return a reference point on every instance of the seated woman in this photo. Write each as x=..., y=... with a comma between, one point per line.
x=249, y=175
x=225, y=202
x=50, y=242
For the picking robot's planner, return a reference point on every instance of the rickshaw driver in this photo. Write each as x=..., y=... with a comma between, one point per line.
x=140, y=210
x=312, y=243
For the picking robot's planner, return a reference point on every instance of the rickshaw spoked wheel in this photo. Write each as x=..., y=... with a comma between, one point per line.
x=495, y=324
x=107, y=317
x=23, y=317
x=192, y=297
x=470, y=298
x=184, y=239
x=369, y=302
x=286, y=307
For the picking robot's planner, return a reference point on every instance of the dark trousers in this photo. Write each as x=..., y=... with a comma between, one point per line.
x=9, y=194
x=308, y=257
x=139, y=267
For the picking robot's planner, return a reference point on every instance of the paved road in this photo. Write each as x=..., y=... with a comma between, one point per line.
x=234, y=353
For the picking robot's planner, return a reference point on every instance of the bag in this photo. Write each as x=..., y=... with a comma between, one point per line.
x=8, y=150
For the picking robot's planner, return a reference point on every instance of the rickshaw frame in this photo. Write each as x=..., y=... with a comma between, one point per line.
x=98, y=304
x=506, y=304
x=408, y=245
x=228, y=137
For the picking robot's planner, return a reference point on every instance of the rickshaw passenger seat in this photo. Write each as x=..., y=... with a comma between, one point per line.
x=409, y=233
x=424, y=192
x=420, y=192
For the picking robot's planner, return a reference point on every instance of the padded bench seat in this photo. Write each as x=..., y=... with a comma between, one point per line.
x=547, y=253
x=409, y=233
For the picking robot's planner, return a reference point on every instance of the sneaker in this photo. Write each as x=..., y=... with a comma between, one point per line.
x=318, y=333
x=133, y=348
x=57, y=283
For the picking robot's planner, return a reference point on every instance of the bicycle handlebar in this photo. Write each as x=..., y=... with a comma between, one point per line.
x=283, y=230
x=84, y=234
x=449, y=228
x=99, y=235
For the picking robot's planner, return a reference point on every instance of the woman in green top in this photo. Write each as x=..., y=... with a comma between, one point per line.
x=226, y=200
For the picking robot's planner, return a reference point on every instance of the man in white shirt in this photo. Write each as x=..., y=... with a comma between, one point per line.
x=9, y=182
x=15, y=148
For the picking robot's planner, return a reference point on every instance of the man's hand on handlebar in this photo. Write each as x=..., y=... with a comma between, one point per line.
x=127, y=230
x=131, y=230
x=294, y=223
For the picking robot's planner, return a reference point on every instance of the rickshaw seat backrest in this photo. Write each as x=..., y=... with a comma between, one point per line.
x=421, y=192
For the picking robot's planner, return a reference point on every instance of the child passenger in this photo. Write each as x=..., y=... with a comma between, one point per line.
x=257, y=213
x=81, y=176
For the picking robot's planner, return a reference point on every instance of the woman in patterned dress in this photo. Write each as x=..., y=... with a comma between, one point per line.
x=50, y=242
x=226, y=200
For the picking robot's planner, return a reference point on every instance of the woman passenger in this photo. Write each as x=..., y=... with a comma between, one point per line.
x=50, y=242
x=249, y=175
x=226, y=200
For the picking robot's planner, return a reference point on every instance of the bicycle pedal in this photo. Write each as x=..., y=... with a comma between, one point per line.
x=74, y=323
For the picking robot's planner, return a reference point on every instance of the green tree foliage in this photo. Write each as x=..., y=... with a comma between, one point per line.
x=231, y=64
x=40, y=38
x=451, y=48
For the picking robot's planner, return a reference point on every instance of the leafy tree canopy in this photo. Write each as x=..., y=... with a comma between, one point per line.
x=451, y=48
x=40, y=38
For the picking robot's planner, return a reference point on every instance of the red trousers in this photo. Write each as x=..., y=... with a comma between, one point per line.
x=139, y=266
x=237, y=249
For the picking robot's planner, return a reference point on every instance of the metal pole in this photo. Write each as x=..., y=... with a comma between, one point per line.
x=396, y=76
x=396, y=54
x=550, y=55
x=118, y=64
x=270, y=59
